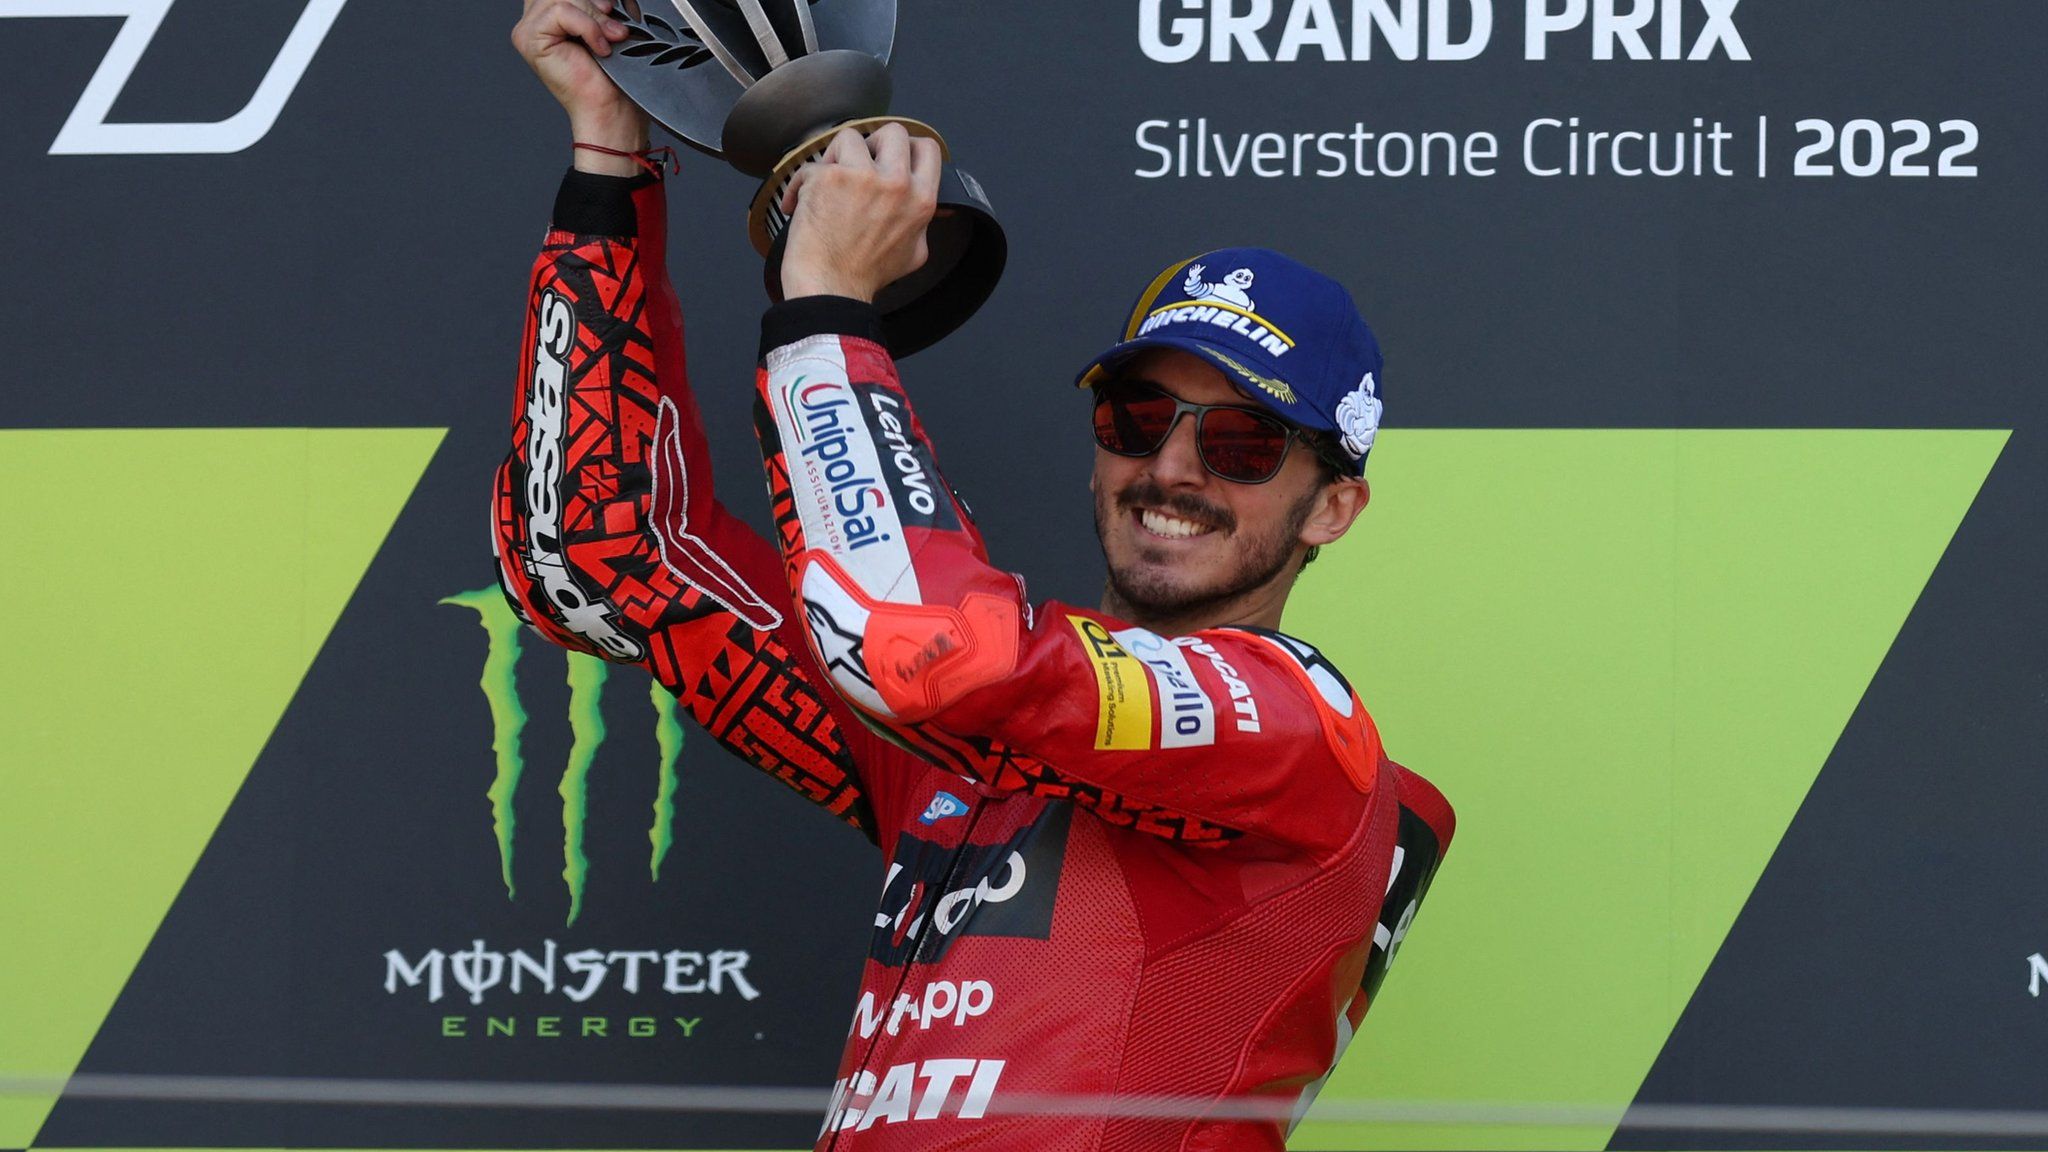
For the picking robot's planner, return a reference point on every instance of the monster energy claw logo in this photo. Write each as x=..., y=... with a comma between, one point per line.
x=587, y=676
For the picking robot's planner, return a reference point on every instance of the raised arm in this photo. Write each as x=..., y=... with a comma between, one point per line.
x=1198, y=738
x=608, y=535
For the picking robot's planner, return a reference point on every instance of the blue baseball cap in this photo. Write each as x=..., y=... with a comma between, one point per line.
x=1287, y=335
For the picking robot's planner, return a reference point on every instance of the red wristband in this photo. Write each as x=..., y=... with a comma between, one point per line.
x=651, y=159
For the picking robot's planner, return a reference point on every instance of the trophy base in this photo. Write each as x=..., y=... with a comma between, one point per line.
x=800, y=100
x=967, y=248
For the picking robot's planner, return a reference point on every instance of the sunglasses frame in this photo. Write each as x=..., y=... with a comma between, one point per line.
x=1183, y=407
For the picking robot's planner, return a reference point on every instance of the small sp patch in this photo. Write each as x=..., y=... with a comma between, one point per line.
x=944, y=806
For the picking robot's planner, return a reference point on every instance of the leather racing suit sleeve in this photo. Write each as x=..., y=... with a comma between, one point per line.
x=1199, y=738
x=608, y=536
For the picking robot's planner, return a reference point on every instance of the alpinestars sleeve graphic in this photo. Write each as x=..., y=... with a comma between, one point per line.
x=608, y=537
x=1196, y=738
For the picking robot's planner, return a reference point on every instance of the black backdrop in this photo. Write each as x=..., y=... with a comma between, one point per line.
x=362, y=264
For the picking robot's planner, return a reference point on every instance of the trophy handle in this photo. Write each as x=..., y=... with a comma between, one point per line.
x=967, y=248
x=968, y=253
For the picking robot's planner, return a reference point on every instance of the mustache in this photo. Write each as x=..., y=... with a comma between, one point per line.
x=1146, y=494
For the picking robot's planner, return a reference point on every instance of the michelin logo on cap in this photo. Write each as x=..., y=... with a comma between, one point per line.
x=1227, y=304
x=1358, y=417
x=1231, y=291
x=1244, y=310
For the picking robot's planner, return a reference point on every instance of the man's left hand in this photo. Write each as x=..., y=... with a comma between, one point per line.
x=859, y=214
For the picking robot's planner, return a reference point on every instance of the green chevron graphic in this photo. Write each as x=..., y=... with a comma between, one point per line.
x=163, y=595
x=1625, y=656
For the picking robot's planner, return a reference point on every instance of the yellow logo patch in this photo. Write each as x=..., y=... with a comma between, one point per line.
x=1123, y=714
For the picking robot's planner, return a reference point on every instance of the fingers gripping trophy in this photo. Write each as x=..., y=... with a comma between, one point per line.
x=770, y=86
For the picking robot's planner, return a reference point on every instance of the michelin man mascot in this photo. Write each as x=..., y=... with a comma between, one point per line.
x=1233, y=290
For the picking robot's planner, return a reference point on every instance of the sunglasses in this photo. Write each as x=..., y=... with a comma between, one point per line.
x=1243, y=445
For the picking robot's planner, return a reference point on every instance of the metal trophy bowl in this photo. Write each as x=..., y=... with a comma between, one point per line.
x=765, y=84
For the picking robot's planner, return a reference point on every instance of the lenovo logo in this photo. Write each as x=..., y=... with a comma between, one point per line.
x=87, y=133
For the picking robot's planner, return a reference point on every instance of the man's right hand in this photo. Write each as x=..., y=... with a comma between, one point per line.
x=561, y=40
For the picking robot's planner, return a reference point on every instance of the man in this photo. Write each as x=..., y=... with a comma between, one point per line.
x=1145, y=865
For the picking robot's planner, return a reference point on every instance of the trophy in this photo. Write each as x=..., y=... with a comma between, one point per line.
x=765, y=84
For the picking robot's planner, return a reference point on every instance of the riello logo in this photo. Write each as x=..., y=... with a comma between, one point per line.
x=587, y=676
x=86, y=131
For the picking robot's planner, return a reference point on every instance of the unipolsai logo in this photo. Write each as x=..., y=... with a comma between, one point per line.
x=587, y=678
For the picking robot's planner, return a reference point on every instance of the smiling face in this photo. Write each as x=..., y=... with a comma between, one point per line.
x=1188, y=550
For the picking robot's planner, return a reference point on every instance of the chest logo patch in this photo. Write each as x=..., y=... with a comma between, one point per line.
x=937, y=893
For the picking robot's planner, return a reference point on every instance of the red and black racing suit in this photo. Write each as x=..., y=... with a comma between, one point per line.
x=1118, y=864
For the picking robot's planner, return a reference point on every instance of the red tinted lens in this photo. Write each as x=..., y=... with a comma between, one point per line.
x=1243, y=446
x=1132, y=423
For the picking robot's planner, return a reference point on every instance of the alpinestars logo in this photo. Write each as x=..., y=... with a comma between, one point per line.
x=587, y=677
x=86, y=131
x=547, y=417
x=838, y=649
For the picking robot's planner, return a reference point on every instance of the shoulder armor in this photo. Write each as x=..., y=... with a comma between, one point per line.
x=1347, y=729
x=1329, y=683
